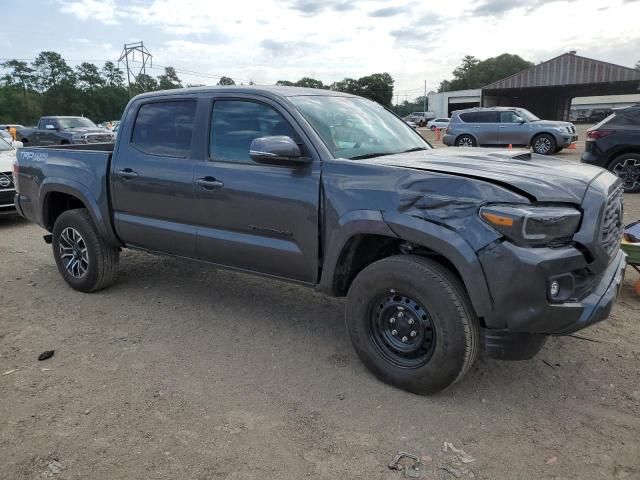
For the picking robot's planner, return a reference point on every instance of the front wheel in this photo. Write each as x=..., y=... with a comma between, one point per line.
x=84, y=259
x=544, y=144
x=411, y=323
x=627, y=168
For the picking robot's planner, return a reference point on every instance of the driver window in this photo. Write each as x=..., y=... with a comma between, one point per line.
x=510, y=117
x=235, y=123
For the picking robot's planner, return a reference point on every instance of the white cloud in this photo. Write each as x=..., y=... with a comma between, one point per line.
x=268, y=40
x=104, y=11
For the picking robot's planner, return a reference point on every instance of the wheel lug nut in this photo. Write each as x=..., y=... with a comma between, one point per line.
x=394, y=332
x=392, y=320
x=413, y=333
x=411, y=321
x=404, y=339
x=400, y=314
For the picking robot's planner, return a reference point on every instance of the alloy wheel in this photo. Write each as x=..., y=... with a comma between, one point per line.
x=73, y=252
x=628, y=171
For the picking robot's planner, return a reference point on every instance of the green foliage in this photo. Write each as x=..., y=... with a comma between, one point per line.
x=637, y=67
x=406, y=107
x=474, y=73
x=226, y=81
x=285, y=83
x=169, y=80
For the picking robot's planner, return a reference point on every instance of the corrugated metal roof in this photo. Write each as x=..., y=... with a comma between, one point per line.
x=567, y=69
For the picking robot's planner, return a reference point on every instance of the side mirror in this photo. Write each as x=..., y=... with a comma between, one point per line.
x=520, y=120
x=277, y=150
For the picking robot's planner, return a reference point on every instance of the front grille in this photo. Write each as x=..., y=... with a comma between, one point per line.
x=612, y=223
x=572, y=129
x=6, y=181
x=99, y=138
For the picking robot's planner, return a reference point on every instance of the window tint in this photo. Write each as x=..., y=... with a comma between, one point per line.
x=510, y=117
x=235, y=123
x=165, y=128
x=480, y=117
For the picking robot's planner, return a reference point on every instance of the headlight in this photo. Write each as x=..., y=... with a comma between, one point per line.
x=531, y=225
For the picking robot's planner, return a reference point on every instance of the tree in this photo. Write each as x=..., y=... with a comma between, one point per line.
x=285, y=83
x=169, y=80
x=226, y=81
x=113, y=76
x=52, y=71
x=377, y=87
x=309, y=82
x=145, y=83
x=89, y=77
x=638, y=65
x=474, y=73
x=19, y=74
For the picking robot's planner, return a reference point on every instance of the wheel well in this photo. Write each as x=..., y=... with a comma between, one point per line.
x=362, y=250
x=64, y=142
x=620, y=152
x=55, y=204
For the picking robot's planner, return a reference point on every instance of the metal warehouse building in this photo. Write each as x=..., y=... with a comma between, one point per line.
x=547, y=89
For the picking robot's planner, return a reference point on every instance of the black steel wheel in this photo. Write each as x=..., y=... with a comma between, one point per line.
x=411, y=323
x=627, y=168
x=402, y=330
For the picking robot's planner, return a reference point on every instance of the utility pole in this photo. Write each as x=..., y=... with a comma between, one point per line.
x=129, y=50
x=424, y=99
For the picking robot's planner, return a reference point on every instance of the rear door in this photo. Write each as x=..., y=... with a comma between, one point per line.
x=152, y=177
x=512, y=129
x=483, y=126
x=253, y=216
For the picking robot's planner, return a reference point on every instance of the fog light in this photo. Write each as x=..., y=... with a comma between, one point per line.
x=554, y=289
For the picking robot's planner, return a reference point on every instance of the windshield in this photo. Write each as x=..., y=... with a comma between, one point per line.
x=67, y=123
x=356, y=128
x=4, y=146
x=527, y=115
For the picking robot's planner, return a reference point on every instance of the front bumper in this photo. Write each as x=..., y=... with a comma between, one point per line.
x=7, y=205
x=519, y=280
x=566, y=140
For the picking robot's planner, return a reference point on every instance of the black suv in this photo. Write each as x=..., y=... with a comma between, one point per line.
x=614, y=144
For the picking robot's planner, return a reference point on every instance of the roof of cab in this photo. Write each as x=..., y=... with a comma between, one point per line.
x=272, y=91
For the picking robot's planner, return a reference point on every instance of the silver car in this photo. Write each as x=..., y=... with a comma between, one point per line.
x=508, y=126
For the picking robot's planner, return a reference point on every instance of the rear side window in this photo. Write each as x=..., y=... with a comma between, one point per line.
x=165, y=128
x=234, y=125
x=480, y=117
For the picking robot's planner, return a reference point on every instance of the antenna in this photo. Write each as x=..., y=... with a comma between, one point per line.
x=129, y=50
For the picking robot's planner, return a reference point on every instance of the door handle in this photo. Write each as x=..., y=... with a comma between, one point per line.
x=503, y=126
x=127, y=174
x=209, y=183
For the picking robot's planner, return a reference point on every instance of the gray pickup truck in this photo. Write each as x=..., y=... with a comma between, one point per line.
x=440, y=253
x=63, y=131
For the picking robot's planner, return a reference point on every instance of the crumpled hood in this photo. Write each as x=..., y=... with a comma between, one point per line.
x=544, y=178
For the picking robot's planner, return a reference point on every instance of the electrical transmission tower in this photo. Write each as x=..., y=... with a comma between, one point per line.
x=128, y=57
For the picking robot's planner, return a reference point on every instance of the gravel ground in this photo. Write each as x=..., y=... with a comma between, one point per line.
x=183, y=371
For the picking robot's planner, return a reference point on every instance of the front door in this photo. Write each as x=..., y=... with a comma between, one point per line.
x=152, y=178
x=253, y=216
x=512, y=130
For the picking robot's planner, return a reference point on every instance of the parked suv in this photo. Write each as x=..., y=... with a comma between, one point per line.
x=614, y=144
x=508, y=126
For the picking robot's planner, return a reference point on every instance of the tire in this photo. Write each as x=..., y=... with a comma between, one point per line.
x=93, y=263
x=433, y=128
x=627, y=168
x=466, y=141
x=448, y=335
x=558, y=149
x=543, y=144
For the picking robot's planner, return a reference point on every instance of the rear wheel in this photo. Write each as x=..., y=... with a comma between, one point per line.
x=544, y=144
x=84, y=259
x=411, y=323
x=627, y=168
x=466, y=141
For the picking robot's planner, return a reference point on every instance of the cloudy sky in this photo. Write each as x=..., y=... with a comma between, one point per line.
x=269, y=40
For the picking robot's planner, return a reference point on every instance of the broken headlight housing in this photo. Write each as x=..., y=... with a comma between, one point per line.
x=533, y=225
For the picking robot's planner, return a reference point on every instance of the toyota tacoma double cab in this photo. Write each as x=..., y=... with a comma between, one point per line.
x=63, y=131
x=440, y=253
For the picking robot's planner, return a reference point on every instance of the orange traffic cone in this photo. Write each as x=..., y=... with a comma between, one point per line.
x=437, y=134
x=637, y=287
x=572, y=146
x=510, y=147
